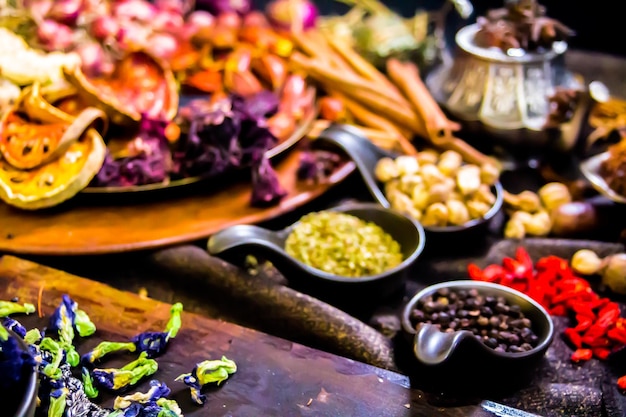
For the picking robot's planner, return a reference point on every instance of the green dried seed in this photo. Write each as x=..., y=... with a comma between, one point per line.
x=343, y=245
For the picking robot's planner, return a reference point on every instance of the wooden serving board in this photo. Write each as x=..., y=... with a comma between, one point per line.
x=275, y=377
x=119, y=223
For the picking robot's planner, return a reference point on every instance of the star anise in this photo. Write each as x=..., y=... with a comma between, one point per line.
x=546, y=29
x=520, y=24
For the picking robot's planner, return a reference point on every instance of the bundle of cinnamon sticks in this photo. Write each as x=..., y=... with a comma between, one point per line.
x=390, y=108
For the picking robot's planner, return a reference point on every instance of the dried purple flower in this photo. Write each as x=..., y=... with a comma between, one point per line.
x=149, y=162
x=266, y=189
x=317, y=165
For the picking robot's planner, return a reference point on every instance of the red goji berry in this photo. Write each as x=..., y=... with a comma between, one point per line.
x=583, y=323
x=558, y=310
x=595, y=331
x=475, y=272
x=617, y=334
x=580, y=355
x=583, y=309
x=493, y=273
x=601, y=353
x=621, y=383
x=574, y=337
x=522, y=256
x=514, y=267
x=609, y=314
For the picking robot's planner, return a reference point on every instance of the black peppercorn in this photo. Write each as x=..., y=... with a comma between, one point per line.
x=492, y=320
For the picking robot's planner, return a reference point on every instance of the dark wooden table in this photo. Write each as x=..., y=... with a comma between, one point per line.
x=129, y=272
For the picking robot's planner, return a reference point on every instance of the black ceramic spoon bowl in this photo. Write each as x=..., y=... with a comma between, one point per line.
x=22, y=399
x=453, y=356
x=366, y=156
x=271, y=245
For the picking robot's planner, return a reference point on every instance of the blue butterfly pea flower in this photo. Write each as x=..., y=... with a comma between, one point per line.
x=62, y=320
x=15, y=362
x=15, y=326
x=153, y=343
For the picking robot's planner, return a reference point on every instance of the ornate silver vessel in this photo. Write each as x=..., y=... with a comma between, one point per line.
x=506, y=94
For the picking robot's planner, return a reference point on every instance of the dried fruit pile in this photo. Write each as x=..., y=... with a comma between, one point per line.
x=236, y=65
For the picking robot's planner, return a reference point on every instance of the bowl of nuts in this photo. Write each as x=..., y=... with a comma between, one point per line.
x=478, y=328
x=441, y=191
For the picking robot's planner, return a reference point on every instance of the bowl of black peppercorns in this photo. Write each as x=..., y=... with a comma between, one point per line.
x=475, y=336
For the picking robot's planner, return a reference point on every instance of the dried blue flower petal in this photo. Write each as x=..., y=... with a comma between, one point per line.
x=15, y=362
x=62, y=320
x=4, y=333
x=33, y=336
x=149, y=404
x=155, y=343
x=57, y=402
x=169, y=408
x=207, y=372
x=9, y=307
x=195, y=388
x=90, y=390
x=116, y=379
x=52, y=355
x=15, y=326
x=175, y=322
x=157, y=390
x=105, y=348
x=152, y=343
x=83, y=323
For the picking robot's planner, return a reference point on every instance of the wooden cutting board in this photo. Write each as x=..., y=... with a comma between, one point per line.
x=275, y=377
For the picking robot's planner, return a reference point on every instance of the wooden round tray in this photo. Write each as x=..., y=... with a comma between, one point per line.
x=90, y=225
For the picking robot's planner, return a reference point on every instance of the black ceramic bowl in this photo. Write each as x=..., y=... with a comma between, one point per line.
x=21, y=400
x=270, y=244
x=457, y=361
x=366, y=156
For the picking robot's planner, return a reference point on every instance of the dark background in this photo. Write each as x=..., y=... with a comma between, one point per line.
x=599, y=24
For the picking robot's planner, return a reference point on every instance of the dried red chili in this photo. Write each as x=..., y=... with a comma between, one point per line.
x=598, y=328
x=582, y=355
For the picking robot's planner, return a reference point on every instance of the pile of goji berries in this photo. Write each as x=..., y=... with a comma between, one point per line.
x=598, y=330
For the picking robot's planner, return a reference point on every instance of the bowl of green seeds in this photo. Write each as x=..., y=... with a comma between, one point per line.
x=362, y=249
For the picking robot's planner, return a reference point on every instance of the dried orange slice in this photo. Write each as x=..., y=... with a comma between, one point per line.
x=140, y=85
x=27, y=143
x=57, y=181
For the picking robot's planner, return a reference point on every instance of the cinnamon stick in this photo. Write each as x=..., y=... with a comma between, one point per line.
x=438, y=128
x=365, y=68
x=344, y=81
x=316, y=46
x=406, y=77
x=371, y=119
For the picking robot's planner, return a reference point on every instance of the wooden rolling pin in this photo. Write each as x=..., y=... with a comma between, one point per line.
x=295, y=316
